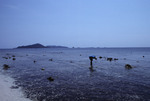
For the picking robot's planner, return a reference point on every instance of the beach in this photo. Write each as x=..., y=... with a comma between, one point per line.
x=9, y=94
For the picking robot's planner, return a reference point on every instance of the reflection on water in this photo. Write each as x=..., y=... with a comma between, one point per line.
x=74, y=80
x=91, y=69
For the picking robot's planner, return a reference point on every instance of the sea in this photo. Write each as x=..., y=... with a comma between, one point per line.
x=65, y=74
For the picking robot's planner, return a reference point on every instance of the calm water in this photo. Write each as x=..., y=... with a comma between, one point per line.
x=73, y=80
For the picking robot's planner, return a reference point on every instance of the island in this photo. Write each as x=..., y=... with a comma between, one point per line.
x=37, y=45
x=53, y=46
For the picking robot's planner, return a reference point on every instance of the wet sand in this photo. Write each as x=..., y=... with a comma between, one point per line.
x=9, y=94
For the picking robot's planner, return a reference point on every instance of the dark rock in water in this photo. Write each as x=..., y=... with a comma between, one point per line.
x=128, y=66
x=100, y=57
x=50, y=59
x=71, y=61
x=143, y=56
x=7, y=54
x=5, y=66
x=50, y=79
x=13, y=55
x=109, y=59
x=14, y=59
x=42, y=68
x=80, y=55
x=115, y=59
x=34, y=61
x=124, y=58
x=14, y=87
x=5, y=57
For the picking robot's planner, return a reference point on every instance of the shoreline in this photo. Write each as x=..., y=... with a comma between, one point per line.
x=9, y=94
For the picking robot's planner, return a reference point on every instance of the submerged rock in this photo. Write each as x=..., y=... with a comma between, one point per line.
x=14, y=87
x=115, y=59
x=50, y=79
x=109, y=59
x=13, y=58
x=7, y=54
x=100, y=57
x=42, y=68
x=5, y=57
x=71, y=61
x=50, y=59
x=128, y=66
x=5, y=66
x=13, y=55
x=34, y=61
x=143, y=56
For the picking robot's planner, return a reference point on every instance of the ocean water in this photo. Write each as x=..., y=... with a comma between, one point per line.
x=74, y=80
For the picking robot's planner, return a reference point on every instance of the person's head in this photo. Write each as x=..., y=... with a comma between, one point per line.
x=95, y=58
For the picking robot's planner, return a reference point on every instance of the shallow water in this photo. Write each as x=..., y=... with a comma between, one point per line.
x=73, y=80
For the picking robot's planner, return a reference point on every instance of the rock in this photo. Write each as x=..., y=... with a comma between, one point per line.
x=13, y=55
x=42, y=68
x=34, y=61
x=128, y=66
x=80, y=55
x=143, y=56
x=50, y=79
x=5, y=66
x=7, y=54
x=109, y=59
x=50, y=59
x=115, y=59
x=71, y=61
x=14, y=59
x=14, y=87
x=5, y=57
x=100, y=57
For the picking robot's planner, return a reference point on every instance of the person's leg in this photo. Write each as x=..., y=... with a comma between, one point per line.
x=91, y=63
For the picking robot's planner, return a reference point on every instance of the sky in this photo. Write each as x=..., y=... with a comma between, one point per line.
x=75, y=23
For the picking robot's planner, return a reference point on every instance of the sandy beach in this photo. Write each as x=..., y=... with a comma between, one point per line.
x=7, y=93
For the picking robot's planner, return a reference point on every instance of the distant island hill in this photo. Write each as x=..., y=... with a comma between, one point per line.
x=37, y=45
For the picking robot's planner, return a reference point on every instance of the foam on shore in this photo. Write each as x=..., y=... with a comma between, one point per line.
x=9, y=94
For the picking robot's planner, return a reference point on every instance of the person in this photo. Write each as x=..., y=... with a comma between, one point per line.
x=91, y=59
